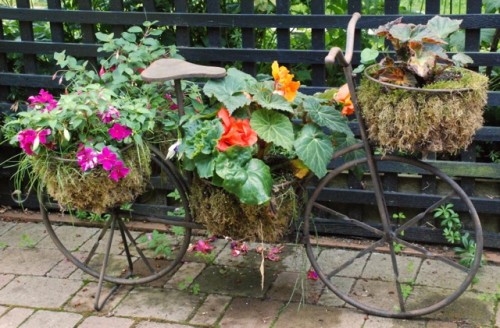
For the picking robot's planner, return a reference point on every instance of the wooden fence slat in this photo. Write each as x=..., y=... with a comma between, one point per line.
x=181, y=32
x=248, y=37
x=318, y=73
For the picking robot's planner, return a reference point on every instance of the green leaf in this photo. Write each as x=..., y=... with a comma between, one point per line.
x=135, y=29
x=402, y=32
x=273, y=127
x=248, y=178
x=229, y=90
x=369, y=56
x=314, y=149
x=267, y=99
x=104, y=37
x=326, y=116
x=443, y=26
x=205, y=165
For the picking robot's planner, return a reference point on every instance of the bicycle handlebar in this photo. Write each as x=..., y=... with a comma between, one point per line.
x=336, y=52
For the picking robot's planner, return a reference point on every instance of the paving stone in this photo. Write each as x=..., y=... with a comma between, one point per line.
x=117, y=246
x=15, y=317
x=439, y=274
x=235, y=281
x=32, y=231
x=295, y=287
x=328, y=298
x=5, y=279
x=296, y=259
x=330, y=259
x=83, y=300
x=6, y=226
x=497, y=318
x=188, y=270
x=49, y=319
x=468, y=308
x=155, y=303
x=151, y=324
x=488, y=281
x=312, y=316
x=72, y=237
x=108, y=322
x=379, y=294
x=379, y=266
x=379, y=322
x=441, y=324
x=117, y=266
x=63, y=269
x=250, y=313
x=251, y=259
x=29, y=261
x=211, y=310
x=41, y=292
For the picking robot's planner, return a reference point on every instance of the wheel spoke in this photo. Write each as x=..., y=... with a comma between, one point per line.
x=429, y=254
x=348, y=219
x=98, y=241
x=123, y=228
x=396, y=276
x=362, y=253
x=421, y=215
x=138, y=249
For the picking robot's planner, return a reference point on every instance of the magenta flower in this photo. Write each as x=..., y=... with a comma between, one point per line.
x=119, y=132
x=118, y=171
x=87, y=158
x=109, y=115
x=312, y=275
x=107, y=159
x=44, y=100
x=203, y=247
x=26, y=139
x=42, y=136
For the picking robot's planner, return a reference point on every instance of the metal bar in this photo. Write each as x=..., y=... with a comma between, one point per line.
x=98, y=306
x=139, y=251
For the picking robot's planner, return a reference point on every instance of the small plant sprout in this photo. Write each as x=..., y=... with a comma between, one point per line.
x=158, y=242
x=27, y=241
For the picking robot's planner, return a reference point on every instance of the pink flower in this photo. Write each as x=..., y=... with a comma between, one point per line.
x=203, y=247
x=26, y=139
x=107, y=159
x=44, y=100
x=118, y=171
x=312, y=275
x=87, y=158
x=238, y=248
x=272, y=255
x=119, y=132
x=103, y=71
x=109, y=115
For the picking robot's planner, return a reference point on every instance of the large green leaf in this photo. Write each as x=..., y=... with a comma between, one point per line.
x=326, y=116
x=273, y=127
x=267, y=99
x=230, y=90
x=248, y=178
x=205, y=165
x=314, y=149
x=443, y=26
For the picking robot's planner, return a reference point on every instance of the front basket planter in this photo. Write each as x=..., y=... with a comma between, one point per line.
x=223, y=214
x=440, y=117
x=93, y=191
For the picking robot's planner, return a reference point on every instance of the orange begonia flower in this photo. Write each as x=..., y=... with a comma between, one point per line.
x=283, y=82
x=237, y=132
x=343, y=97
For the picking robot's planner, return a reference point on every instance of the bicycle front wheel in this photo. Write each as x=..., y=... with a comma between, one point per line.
x=388, y=273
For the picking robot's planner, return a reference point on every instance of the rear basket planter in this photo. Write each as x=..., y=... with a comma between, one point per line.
x=223, y=214
x=440, y=117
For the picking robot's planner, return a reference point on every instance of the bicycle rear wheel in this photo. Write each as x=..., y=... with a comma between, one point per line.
x=389, y=274
x=130, y=247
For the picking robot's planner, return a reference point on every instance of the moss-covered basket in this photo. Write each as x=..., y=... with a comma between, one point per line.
x=93, y=191
x=223, y=214
x=420, y=120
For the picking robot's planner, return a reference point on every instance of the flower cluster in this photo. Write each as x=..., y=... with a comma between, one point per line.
x=251, y=131
x=343, y=97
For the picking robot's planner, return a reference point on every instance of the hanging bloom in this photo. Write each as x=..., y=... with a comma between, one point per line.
x=26, y=139
x=43, y=101
x=312, y=275
x=119, y=132
x=87, y=158
x=283, y=82
x=103, y=71
x=118, y=171
x=109, y=115
x=237, y=132
x=107, y=159
x=343, y=97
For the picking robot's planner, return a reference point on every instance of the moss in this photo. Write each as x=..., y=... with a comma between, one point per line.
x=223, y=214
x=93, y=191
x=413, y=121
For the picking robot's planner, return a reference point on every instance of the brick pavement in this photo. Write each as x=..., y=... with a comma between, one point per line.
x=40, y=288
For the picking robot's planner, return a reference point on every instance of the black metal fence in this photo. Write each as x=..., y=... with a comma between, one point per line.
x=200, y=30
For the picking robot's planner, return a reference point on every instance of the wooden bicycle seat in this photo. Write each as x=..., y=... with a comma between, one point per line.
x=166, y=69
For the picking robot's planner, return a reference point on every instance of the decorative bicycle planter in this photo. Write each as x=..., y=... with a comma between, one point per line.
x=384, y=295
